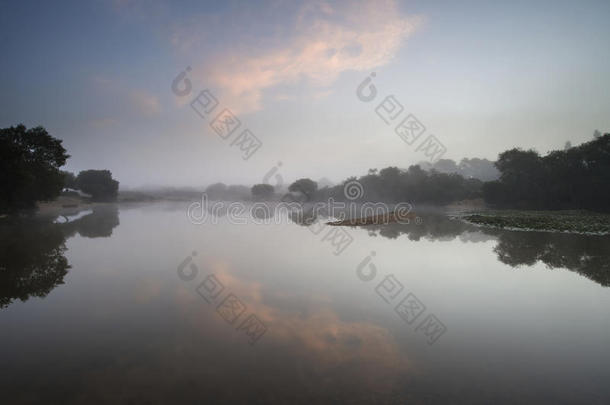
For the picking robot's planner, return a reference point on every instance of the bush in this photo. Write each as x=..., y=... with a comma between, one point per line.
x=98, y=183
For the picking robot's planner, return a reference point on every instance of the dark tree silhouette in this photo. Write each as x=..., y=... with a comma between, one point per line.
x=307, y=187
x=98, y=183
x=262, y=192
x=29, y=167
x=577, y=177
x=216, y=191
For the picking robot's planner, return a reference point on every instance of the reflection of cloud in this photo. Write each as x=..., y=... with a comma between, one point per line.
x=317, y=335
x=147, y=290
x=327, y=40
x=192, y=351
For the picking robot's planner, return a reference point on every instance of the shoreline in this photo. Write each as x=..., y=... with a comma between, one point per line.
x=563, y=221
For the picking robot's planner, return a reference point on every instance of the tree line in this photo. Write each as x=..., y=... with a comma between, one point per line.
x=30, y=162
x=574, y=178
x=577, y=177
x=394, y=185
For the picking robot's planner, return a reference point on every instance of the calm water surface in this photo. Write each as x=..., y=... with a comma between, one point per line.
x=110, y=307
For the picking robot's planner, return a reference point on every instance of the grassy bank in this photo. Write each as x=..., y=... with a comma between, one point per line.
x=551, y=221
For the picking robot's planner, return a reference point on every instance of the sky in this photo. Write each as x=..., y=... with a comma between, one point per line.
x=480, y=77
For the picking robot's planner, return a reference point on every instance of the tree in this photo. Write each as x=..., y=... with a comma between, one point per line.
x=481, y=169
x=262, y=191
x=307, y=187
x=577, y=177
x=446, y=166
x=98, y=183
x=522, y=178
x=393, y=185
x=216, y=191
x=69, y=179
x=29, y=167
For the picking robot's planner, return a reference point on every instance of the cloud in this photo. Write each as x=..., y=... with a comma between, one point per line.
x=146, y=103
x=103, y=123
x=129, y=100
x=326, y=40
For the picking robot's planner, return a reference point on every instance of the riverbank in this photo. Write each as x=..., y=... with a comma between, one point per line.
x=576, y=221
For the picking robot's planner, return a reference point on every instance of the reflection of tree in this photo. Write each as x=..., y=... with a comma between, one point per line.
x=433, y=226
x=99, y=223
x=303, y=218
x=32, y=261
x=585, y=254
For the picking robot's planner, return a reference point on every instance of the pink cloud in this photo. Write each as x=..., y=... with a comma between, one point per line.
x=326, y=41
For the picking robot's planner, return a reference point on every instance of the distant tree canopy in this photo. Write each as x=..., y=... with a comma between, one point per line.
x=262, y=191
x=307, y=187
x=29, y=167
x=414, y=185
x=220, y=191
x=481, y=169
x=98, y=183
x=216, y=191
x=577, y=178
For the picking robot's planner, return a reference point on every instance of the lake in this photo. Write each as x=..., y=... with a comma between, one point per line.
x=137, y=304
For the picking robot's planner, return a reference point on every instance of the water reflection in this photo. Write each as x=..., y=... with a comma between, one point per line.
x=98, y=224
x=361, y=356
x=32, y=261
x=586, y=255
x=127, y=320
x=432, y=226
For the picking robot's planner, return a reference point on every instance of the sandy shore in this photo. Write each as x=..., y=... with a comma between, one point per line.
x=64, y=205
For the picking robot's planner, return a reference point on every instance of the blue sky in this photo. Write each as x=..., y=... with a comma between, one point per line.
x=481, y=76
